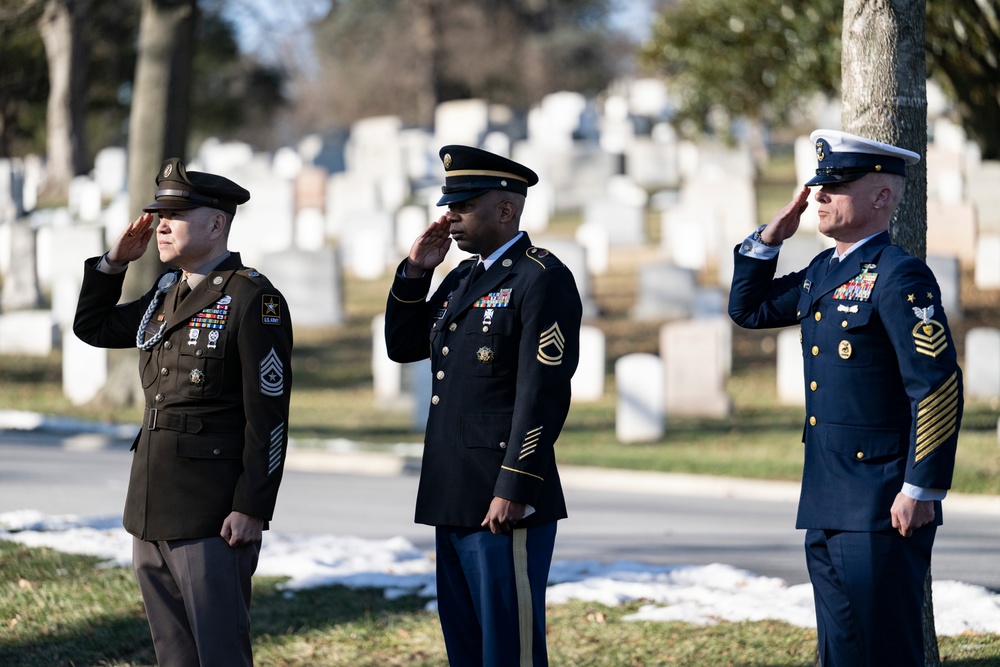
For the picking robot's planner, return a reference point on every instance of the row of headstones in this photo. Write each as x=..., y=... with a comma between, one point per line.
x=697, y=354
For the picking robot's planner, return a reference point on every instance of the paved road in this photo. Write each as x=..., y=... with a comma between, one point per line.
x=663, y=519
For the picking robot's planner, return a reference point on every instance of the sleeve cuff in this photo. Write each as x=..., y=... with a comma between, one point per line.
x=757, y=250
x=920, y=493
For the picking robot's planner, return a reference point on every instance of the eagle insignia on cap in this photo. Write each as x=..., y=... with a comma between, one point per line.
x=447, y=160
x=167, y=170
x=819, y=151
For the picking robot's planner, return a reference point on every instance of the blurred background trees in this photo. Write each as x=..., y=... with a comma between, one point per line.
x=68, y=79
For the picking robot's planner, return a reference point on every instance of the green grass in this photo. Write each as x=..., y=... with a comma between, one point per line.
x=58, y=609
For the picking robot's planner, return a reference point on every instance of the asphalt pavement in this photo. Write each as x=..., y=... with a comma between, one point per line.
x=71, y=467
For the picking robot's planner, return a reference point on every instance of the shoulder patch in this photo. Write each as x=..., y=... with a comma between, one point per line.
x=543, y=257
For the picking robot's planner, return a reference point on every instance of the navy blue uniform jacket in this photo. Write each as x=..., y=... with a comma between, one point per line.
x=502, y=354
x=883, y=388
x=217, y=390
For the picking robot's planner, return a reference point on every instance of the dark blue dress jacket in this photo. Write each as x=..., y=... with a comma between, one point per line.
x=882, y=384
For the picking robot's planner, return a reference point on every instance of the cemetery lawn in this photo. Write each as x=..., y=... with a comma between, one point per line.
x=63, y=609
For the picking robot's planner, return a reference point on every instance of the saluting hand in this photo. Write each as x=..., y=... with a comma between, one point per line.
x=430, y=247
x=786, y=222
x=132, y=243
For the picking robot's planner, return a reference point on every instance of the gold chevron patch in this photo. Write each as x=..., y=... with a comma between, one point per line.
x=937, y=417
x=531, y=439
x=930, y=338
x=551, y=345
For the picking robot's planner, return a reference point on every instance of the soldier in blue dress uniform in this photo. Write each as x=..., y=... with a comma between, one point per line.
x=502, y=331
x=215, y=344
x=883, y=399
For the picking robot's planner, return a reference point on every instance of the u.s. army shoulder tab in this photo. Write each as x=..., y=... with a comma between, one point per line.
x=270, y=309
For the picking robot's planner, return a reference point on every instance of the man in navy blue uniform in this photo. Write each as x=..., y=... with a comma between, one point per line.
x=883, y=399
x=502, y=331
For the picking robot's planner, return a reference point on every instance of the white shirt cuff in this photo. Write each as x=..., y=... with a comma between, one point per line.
x=920, y=493
x=758, y=250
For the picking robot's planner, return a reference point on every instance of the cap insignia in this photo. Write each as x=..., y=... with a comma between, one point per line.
x=447, y=160
x=168, y=170
x=819, y=151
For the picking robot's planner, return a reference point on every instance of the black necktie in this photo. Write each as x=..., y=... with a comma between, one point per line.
x=832, y=264
x=477, y=272
x=183, y=289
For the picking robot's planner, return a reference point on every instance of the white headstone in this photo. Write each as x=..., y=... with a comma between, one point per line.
x=111, y=170
x=594, y=237
x=411, y=221
x=665, y=292
x=949, y=278
x=84, y=369
x=28, y=332
x=951, y=230
x=588, y=381
x=982, y=363
x=626, y=223
x=639, y=415
x=695, y=371
x=310, y=229
x=85, y=199
x=20, y=279
x=461, y=122
x=790, y=367
x=311, y=284
x=988, y=261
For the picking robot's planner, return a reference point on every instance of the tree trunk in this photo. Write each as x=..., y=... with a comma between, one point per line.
x=883, y=78
x=158, y=128
x=62, y=27
x=160, y=109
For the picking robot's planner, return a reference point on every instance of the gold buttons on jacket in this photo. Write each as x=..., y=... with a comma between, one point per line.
x=440, y=375
x=818, y=316
x=164, y=372
x=861, y=455
x=812, y=421
x=435, y=399
x=815, y=350
x=813, y=385
x=168, y=345
x=844, y=324
x=159, y=398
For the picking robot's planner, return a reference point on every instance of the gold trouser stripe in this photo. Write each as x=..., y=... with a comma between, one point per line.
x=523, y=587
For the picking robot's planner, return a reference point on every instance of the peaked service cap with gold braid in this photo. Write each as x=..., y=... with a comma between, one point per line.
x=470, y=172
x=843, y=157
x=178, y=189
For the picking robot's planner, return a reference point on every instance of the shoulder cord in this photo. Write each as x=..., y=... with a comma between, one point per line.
x=161, y=289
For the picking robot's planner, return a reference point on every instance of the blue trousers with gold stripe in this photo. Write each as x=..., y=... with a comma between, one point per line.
x=869, y=591
x=491, y=595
